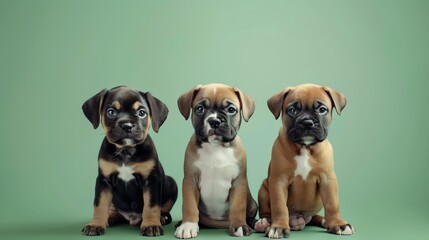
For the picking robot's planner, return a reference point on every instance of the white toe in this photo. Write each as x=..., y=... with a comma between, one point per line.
x=239, y=232
x=187, y=230
x=273, y=233
x=347, y=231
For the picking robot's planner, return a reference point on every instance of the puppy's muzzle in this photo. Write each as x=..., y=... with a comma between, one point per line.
x=306, y=122
x=127, y=126
x=214, y=122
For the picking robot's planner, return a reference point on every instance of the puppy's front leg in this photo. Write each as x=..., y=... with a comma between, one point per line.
x=151, y=220
x=329, y=194
x=279, y=212
x=237, y=212
x=102, y=202
x=191, y=197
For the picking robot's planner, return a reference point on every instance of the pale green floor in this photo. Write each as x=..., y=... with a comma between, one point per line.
x=71, y=230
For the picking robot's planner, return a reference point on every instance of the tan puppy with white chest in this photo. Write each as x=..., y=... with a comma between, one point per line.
x=301, y=178
x=215, y=189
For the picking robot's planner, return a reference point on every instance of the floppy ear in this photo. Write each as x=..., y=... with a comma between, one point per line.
x=275, y=103
x=158, y=110
x=338, y=99
x=91, y=108
x=185, y=101
x=247, y=104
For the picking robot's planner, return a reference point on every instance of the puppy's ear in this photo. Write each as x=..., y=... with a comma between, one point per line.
x=247, y=104
x=275, y=103
x=158, y=110
x=338, y=99
x=91, y=108
x=185, y=101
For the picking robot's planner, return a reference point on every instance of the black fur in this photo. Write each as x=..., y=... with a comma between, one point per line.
x=307, y=121
x=228, y=123
x=127, y=142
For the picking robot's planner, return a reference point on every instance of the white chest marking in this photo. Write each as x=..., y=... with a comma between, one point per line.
x=303, y=167
x=219, y=168
x=125, y=173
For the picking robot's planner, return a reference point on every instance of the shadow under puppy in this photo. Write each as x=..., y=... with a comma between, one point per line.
x=301, y=178
x=215, y=189
x=131, y=185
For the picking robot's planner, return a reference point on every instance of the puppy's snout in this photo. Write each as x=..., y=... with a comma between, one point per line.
x=307, y=122
x=127, y=126
x=214, y=122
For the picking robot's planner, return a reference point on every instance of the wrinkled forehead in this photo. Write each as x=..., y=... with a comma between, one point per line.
x=308, y=97
x=126, y=99
x=216, y=96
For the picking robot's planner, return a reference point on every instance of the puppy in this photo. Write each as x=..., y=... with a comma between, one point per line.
x=301, y=178
x=215, y=189
x=131, y=185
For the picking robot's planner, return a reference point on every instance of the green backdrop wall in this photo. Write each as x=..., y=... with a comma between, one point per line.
x=56, y=54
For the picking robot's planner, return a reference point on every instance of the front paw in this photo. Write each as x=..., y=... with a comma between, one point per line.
x=187, y=230
x=151, y=231
x=93, y=230
x=276, y=232
x=261, y=225
x=239, y=231
x=345, y=229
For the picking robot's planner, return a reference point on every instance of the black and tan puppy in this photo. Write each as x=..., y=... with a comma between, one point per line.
x=131, y=185
x=301, y=178
x=215, y=189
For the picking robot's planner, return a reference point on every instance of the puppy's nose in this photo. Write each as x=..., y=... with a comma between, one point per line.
x=127, y=126
x=214, y=122
x=307, y=122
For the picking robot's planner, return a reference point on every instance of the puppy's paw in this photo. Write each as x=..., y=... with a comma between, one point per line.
x=93, y=230
x=276, y=232
x=187, y=230
x=261, y=225
x=239, y=231
x=151, y=231
x=345, y=229
x=297, y=222
x=165, y=219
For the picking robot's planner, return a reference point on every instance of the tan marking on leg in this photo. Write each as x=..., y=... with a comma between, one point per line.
x=151, y=215
x=101, y=212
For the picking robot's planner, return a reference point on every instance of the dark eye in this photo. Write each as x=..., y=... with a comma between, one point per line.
x=323, y=110
x=292, y=111
x=231, y=110
x=111, y=112
x=141, y=113
x=199, y=109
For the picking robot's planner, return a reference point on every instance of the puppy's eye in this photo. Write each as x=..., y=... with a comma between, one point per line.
x=231, y=110
x=199, y=109
x=292, y=111
x=322, y=110
x=141, y=113
x=111, y=113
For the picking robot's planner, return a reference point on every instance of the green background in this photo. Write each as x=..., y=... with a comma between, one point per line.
x=56, y=54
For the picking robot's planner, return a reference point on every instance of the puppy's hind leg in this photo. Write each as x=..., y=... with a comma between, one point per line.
x=115, y=217
x=264, y=222
x=169, y=198
x=317, y=221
